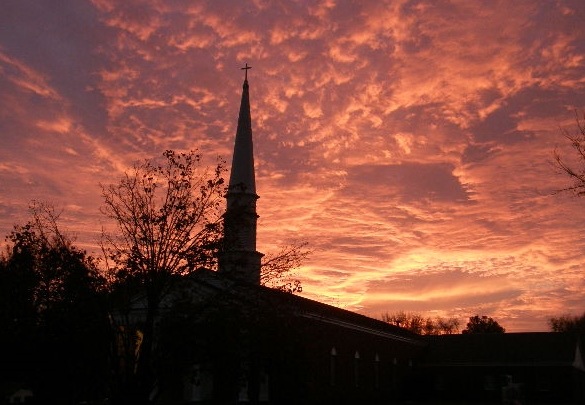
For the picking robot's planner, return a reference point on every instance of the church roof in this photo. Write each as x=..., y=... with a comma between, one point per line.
x=247, y=293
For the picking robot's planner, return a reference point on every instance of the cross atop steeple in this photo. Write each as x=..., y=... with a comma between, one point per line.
x=245, y=69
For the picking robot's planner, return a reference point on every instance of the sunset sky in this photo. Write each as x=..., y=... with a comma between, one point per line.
x=409, y=142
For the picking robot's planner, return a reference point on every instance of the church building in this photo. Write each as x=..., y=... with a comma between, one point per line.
x=231, y=340
x=254, y=344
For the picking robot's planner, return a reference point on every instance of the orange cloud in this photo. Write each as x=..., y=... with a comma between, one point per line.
x=406, y=141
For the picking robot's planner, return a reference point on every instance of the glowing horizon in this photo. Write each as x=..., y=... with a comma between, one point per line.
x=408, y=142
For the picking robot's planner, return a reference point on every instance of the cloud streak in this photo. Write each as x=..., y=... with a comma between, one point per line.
x=406, y=141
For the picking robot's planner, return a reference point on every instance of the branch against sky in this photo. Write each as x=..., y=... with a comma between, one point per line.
x=575, y=170
x=167, y=216
x=277, y=267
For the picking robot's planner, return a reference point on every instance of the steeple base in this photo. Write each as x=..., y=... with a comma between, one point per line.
x=241, y=265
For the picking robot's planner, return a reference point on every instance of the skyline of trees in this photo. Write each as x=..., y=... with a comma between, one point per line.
x=421, y=325
x=65, y=303
x=567, y=323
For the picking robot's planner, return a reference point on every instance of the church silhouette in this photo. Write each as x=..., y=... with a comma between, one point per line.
x=229, y=339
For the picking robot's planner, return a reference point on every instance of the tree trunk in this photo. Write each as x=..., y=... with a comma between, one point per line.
x=145, y=376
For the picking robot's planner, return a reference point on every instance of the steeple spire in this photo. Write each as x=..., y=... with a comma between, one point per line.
x=242, y=176
x=239, y=258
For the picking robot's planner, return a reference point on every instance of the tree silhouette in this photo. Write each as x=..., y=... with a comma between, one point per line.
x=417, y=323
x=567, y=323
x=575, y=173
x=482, y=324
x=168, y=220
x=55, y=335
x=276, y=267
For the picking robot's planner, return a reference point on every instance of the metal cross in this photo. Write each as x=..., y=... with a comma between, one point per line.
x=245, y=69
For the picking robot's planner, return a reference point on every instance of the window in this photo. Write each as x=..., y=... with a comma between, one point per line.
x=332, y=366
x=356, y=368
x=376, y=371
x=394, y=373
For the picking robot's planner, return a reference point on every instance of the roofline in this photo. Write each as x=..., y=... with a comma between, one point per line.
x=500, y=364
x=353, y=326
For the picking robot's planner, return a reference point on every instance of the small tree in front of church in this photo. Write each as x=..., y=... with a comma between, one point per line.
x=168, y=223
x=168, y=220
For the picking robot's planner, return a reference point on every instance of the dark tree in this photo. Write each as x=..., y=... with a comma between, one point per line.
x=568, y=323
x=482, y=324
x=54, y=336
x=410, y=321
x=168, y=219
x=448, y=326
x=574, y=168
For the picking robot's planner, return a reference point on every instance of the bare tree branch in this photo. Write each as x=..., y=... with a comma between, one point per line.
x=277, y=267
x=576, y=174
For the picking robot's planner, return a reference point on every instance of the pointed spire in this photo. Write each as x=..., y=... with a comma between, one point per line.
x=242, y=178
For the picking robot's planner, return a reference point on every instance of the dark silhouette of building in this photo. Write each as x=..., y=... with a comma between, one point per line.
x=531, y=368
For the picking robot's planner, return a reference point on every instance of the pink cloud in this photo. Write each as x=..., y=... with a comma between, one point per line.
x=406, y=141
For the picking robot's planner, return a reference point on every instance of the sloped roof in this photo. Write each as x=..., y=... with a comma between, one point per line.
x=304, y=307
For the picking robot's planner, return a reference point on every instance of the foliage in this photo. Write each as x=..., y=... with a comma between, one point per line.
x=167, y=215
x=482, y=324
x=567, y=323
x=55, y=332
x=417, y=323
x=168, y=218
